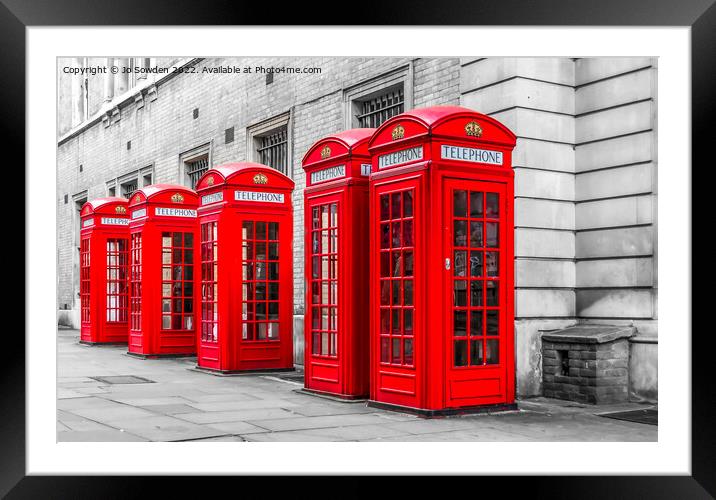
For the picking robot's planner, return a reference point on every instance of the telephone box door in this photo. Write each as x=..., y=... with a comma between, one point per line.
x=477, y=258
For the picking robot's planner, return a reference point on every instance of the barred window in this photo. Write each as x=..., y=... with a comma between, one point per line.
x=128, y=188
x=196, y=168
x=272, y=149
x=373, y=111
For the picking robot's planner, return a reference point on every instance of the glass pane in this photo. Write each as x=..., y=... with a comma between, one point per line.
x=166, y=305
x=261, y=310
x=316, y=318
x=166, y=273
x=397, y=240
x=408, y=203
x=249, y=330
x=188, y=240
x=385, y=236
x=316, y=267
x=396, y=292
x=261, y=331
x=475, y=204
x=460, y=264
x=476, y=352
x=396, y=351
x=460, y=203
x=166, y=240
x=385, y=321
x=395, y=316
x=493, y=205
x=492, y=237
x=397, y=263
x=324, y=343
x=334, y=215
x=493, y=322
x=166, y=322
x=493, y=353
x=248, y=230
x=408, y=292
x=476, y=293
x=408, y=343
x=408, y=233
x=384, y=207
x=273, y=230
x=316, y=341
x=273, y=251
x=316, y=219
x=475, y=263
x=261, y=231
x=261, y=250
x=395, y=199
x=476, y=323
x=273, y=270
x=460, y=323
x=460, y=233
x=492, y=293
x=261, y=291
x=476, y=234
x=460, y=293
x=408, y=263
x=460, y=352
x=408, y=321
x=273, y=330
x=385, y=264
x=176, y=239
x=385, y=349
x=491, y=263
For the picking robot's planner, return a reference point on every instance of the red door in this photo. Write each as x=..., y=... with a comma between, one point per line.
x=323, y=347
x=396, y=352
x=476, y=329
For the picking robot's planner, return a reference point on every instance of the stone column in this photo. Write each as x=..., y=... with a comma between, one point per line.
x=121, y=79
x=109, y=81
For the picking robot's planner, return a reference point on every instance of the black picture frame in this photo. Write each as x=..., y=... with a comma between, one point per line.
x=700, y=15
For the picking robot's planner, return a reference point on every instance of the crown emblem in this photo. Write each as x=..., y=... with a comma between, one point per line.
x=210, y=180
x=137, y=198
x=473, y=129
x=86, y=210
x=398, y=132
x=120, y=209
x=177, y=198
x=325, y=152
x=260, y=179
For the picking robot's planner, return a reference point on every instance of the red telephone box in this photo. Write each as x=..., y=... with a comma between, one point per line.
x=246, y=228
x=336, y=230
x=104, y=236
x=442, y=334
x=163, y=271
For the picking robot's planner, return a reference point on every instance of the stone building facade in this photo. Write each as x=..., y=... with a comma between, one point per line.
x=585, y=164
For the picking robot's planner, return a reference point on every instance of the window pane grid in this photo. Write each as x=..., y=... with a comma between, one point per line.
x=273, y=150
x=375, y=111
x=196, y=168
x=397, y=311
x=85, y=279
x=260, y=285
x=177, y=281
x=476, y=278
x=324, y=280
x=117, y=293
x=135, y=276
x=209, y=287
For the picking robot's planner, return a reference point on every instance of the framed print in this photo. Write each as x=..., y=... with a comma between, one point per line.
x=260, y=251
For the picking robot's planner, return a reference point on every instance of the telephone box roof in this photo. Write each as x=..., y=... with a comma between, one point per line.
x=231, y=173
x=355, y=140
x=97, y=204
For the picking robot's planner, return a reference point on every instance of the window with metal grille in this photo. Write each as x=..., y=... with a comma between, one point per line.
x=196, y=168
x=128, y=188
x=374, y=111
x=272, y=149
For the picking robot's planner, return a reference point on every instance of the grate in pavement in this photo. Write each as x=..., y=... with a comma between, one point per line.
x=649, y=416
x=123, y=379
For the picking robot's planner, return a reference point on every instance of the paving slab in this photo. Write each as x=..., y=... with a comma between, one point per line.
x=184, y=405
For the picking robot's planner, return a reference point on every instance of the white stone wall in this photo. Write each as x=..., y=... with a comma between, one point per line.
x=585, y=188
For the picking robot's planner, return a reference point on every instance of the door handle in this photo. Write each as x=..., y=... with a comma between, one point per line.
x=447, y=263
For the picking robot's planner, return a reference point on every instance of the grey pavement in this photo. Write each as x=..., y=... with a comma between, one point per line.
x=182, y=404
